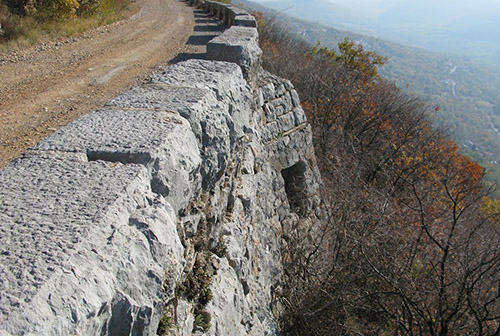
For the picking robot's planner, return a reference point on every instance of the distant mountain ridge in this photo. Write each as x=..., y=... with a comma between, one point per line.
x=466, y=93
x=327, y=9
x=468, y=28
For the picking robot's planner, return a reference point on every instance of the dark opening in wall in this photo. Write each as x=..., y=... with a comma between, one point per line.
x=295, y=186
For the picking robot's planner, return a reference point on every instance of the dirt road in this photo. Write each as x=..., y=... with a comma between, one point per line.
x=45, y=87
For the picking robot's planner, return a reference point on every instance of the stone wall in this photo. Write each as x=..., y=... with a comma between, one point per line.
x=169, y=203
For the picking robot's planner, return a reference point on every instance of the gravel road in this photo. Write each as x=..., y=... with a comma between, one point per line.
x=45, y=87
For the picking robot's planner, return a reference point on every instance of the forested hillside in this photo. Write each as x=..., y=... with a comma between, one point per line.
x=464, y=94
x=408, y=242
x=462, y=27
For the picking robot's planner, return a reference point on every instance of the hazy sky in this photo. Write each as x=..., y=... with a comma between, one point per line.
x=371, y=8
x=458, y=26
x=386, y=3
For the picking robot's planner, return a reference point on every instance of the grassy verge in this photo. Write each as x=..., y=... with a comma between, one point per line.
x=19, y=31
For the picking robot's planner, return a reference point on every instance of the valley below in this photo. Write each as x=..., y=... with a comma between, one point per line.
x=463, y=92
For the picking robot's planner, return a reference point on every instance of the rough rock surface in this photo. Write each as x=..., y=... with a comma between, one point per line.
x=239, y=45
x=84, y=248
x=168, y=203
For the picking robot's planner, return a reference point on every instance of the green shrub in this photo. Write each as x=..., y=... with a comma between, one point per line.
x=219, y=249
x=11, y=24
x=166, y=321
x=27, y=22
x=16, y=6
x=56, y=10
x=202, y=320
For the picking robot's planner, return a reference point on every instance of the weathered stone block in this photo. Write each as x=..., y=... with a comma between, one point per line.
x=299, y=115
x=210, y=6
x=162, y=98
x=239, y=17
x=244, y=21
x=220, y=77
x=286, y=122
x=295, y=98
x=280, y=89
x=221, y=121
x=282, y=104
x=268, y=92
x=269, y=112
x=238, y=45
x=78, y=239
x=161, y=141
x=88, y=217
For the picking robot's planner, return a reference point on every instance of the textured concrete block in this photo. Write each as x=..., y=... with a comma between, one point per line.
x=220, y=77
x=300, y=116
x=238, y=45
x=89, y=217
x=221, y=120
x=161, y=141
x=244, y=21
x=239, y=17
x=77, y=240
x=162, y=98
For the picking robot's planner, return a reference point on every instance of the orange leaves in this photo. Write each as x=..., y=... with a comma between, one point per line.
x=444, y=164
x=461, y=175
x=259, y=16
x=270, y=47
x=469, y=175
x=406, y=214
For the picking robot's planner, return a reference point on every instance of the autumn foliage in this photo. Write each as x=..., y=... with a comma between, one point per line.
x=409, y=242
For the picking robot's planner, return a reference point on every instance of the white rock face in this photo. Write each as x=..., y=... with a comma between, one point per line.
x=171, y=198
x=239, y=45
x=84, y=248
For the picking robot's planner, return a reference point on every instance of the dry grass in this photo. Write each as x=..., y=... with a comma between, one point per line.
x=22, y=32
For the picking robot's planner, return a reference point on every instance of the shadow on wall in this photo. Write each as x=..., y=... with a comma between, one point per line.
x=205, y=29
x=187, y=56
x=200, y=40
x=296, y=186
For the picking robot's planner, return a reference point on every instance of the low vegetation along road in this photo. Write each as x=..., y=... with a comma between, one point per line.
x=47, y=86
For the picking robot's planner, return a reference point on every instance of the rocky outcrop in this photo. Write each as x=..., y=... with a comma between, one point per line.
x=169, y=203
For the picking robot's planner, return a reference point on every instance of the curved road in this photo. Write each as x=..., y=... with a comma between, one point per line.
x=45, y=87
